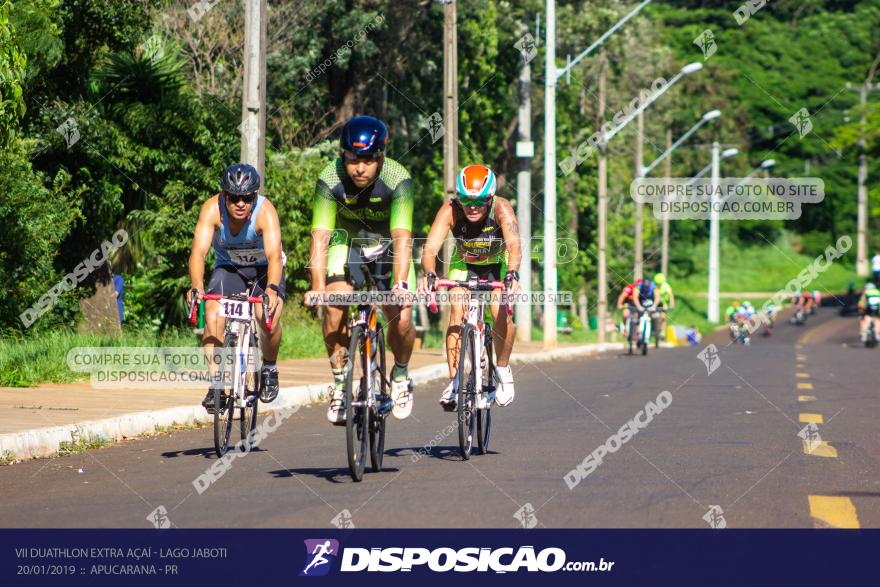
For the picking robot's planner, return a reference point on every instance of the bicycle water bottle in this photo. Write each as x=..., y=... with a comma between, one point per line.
x=201, y=323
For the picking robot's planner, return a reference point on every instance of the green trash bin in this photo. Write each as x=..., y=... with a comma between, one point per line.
x=594, y=322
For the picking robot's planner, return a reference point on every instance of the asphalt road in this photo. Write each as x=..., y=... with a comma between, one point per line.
x=729, y=439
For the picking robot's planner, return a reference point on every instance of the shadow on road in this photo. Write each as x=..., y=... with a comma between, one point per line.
x=333, y=475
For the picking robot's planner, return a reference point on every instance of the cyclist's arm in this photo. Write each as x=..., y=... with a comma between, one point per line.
x=671, y=298
x=201, y=243
x=270, y=228
x=401, y=228
x=439, y=229
x=510, y=231
x=323, y=223
x=620, y=299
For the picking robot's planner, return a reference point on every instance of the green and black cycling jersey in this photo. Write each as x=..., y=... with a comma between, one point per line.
x=377, y=209
x=367, y=214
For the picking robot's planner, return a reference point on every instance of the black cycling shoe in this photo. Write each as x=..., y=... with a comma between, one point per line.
x=269, y=385
x=209, y=402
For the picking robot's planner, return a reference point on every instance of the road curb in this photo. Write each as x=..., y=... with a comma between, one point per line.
x=44, y=442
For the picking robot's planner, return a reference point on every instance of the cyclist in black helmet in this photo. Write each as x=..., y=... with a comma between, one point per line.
x=364, y=198
x=243, y=229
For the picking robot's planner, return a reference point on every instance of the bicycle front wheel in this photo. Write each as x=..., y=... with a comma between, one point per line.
x=484, y=417
x=465, y=379
x=357, y=414
x=379, y=417
x=224, y=403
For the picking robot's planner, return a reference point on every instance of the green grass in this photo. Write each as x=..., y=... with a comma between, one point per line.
x=7, y=458
x=81, y=445
x=28, y=360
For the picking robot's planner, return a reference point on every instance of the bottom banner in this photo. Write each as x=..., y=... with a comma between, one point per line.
x=602, y=557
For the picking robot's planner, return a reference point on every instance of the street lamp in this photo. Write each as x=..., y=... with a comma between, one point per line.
x=686, y=70
x=707, y=117
x=552, y=75
x=725, y=154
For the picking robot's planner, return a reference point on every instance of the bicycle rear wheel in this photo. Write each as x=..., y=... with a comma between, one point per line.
x=357, y=415
x=645, y=337
x=224, y=403
x=379, y=417
x=248, y=416
x=465, y=379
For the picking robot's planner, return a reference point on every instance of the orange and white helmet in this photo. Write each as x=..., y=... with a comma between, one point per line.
x=476, y=185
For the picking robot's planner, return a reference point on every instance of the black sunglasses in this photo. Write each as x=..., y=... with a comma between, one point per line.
x=235, y=198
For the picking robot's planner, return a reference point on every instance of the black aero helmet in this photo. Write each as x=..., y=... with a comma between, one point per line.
x=240, y=179
x=364, y=135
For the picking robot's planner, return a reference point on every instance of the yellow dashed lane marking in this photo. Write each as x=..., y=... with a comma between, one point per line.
x=802, y=357
x=837, y=512
x=806, y=398
x=822, y=450
x=814, y=418
x=805, y=386
x=801, y=366
x=802, y=375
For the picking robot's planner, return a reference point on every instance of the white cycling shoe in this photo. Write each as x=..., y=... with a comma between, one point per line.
x=402, y=395
x=336, y=409
x=504, y=390
x=447, y=399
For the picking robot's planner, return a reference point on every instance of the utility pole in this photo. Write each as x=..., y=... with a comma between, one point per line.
x=640, y=153
x=862, y=222
x=602, y=208
x=525, y=151
x=712, y=311
x=450, y=122
x=253, y=102
x=667, y=172
x=550, y=179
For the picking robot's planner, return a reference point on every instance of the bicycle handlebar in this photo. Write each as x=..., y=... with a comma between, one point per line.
x=471, y=285
x=263, y=300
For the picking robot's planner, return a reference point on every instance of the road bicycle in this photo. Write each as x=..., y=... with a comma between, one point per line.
x=632, y=329
x=656, y=324
x=240, y=365
x=645, y=327
x=474, y=384
x=870, y=335
x=367, y=388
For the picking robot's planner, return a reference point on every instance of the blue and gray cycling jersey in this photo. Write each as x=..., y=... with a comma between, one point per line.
x=244, y=249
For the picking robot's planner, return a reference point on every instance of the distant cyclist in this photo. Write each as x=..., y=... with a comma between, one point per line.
x=487, y=246
x=667, y=299
x=243, y=229
x=627, y=303
x=869, y=307
x=364, y=197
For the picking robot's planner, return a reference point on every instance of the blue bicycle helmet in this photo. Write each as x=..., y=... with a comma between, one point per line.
x=364, y=136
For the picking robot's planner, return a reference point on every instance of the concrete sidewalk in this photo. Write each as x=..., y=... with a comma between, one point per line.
x=34, y=421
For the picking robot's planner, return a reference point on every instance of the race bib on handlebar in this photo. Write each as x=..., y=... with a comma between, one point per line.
x=235, y=309
x=245, y=257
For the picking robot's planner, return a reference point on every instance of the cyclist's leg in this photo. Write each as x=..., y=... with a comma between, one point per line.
x=401, y=331
x=457, y=272
x=503, y=327
x=224, y=279
x=334, y=324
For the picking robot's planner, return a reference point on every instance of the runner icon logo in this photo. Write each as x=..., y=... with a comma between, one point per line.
x=320, y=553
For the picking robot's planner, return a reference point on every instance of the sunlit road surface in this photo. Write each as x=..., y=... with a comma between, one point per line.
x=725, y=452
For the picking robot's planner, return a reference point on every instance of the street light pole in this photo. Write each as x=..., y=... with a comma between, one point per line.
x=640, y=148
x=602, y=210
x=712, y=312
x=525, y=150
x=664, y=242
x=550, y=78
x=552, y=74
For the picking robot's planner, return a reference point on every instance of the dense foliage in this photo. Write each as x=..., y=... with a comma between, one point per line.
x=122, y=113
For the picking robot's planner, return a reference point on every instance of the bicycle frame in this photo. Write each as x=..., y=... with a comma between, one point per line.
x=242, y=329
